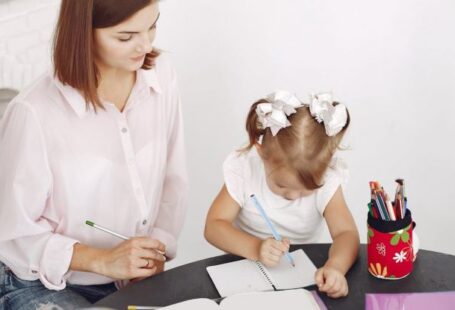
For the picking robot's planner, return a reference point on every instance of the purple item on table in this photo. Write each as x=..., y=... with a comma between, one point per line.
x=415, y=301
x=318, y=300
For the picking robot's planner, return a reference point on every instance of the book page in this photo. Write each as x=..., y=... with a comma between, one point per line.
x=199, y=304
x=285, y=276
x=299, y=299
x=238, y=277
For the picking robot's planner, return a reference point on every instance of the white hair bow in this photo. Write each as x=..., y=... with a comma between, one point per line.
x=275, y=113
x=323, y=110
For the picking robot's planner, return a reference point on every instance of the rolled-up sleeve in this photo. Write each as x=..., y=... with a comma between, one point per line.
x=28, y=242
x=173, y=203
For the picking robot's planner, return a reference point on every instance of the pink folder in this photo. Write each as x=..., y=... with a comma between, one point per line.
x=415, y=301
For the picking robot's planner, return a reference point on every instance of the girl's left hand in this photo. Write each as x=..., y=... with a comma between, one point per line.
x=331, y=281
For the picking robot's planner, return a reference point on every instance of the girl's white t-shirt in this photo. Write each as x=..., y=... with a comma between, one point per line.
x=298, y=220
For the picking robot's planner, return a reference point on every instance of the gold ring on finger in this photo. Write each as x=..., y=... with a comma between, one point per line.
x=148, y=263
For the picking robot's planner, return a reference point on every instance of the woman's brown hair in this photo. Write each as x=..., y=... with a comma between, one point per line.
x=73, y=46
x=304, y=147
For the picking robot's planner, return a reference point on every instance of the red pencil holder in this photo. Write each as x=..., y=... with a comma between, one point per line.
x=390, y=248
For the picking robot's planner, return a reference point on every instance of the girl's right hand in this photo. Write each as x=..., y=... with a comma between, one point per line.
x=271, y=250
x=137, y=257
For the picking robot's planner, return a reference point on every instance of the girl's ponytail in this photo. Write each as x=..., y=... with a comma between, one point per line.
x=253, y=126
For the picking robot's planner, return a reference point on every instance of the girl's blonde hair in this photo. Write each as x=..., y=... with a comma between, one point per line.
x=303, y=147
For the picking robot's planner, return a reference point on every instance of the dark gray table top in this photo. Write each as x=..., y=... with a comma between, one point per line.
x=432, y=272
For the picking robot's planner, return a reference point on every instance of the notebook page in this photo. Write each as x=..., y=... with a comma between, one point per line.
x=299, y=299
x=284, y=276
x=238, y=277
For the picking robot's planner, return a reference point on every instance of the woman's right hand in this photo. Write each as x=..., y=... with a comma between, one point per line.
x=271, y=250
x=137, y=257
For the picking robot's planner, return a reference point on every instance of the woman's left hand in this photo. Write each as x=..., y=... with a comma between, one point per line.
x=331, y=281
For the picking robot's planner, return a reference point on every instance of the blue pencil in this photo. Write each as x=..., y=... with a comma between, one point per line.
x=383, y=207
x=272, y=228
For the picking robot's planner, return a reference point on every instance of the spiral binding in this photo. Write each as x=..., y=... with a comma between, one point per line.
x=262, y=269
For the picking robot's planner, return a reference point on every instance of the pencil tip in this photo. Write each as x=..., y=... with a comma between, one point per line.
x=89, y=223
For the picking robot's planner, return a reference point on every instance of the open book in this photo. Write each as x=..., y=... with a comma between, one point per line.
x=290, y=300
x=249, y=276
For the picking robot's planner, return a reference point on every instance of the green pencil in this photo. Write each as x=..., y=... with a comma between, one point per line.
x=90, y=223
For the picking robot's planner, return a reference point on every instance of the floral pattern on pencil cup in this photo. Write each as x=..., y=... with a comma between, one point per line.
x=390, y=247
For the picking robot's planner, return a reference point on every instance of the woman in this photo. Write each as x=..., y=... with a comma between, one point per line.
x=98, y=138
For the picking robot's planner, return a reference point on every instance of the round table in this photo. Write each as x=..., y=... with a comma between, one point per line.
x=432, y=272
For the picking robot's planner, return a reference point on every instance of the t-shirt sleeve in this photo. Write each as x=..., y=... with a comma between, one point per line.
x=234, y=177
x=337, y=175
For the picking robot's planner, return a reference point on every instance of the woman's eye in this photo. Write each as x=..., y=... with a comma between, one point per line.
x=125, y=39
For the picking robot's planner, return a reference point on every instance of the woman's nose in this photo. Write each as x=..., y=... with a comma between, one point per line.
x=145, y=44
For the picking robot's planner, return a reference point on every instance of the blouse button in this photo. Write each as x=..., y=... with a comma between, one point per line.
x=144, y=222
x=124, y=130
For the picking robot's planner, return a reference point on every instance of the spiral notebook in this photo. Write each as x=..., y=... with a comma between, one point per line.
x=245, y=275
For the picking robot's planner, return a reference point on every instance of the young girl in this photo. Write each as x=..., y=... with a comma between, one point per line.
x=289, y=166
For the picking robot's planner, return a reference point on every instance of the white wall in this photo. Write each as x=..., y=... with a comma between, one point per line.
x=26, y=28
x=391, y=62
